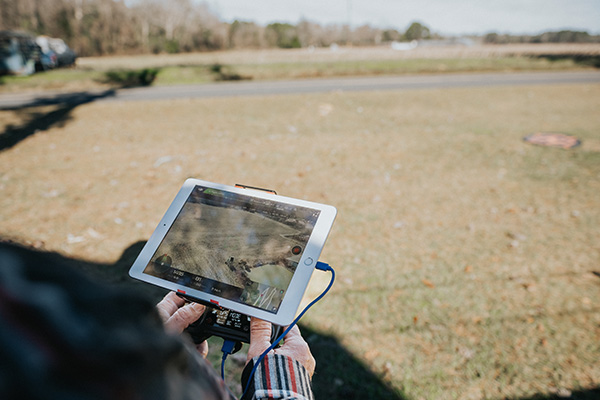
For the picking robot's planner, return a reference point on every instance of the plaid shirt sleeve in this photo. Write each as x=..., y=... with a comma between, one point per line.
x=277, y=377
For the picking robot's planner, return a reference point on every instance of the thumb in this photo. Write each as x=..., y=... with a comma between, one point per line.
x=183, y=317
x=260, y=337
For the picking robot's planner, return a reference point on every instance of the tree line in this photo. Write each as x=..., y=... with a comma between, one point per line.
x=564, y=36
x=103, y=27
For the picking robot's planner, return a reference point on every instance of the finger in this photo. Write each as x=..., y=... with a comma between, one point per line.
x=293, y=343
x=183, y=317
x=260, y=337
x=169, y=305
x=202, y=348
x=294, y=346
x=294, y=337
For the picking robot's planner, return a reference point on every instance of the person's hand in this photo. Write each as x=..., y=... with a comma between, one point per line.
x=176, y=316
x=293, y=346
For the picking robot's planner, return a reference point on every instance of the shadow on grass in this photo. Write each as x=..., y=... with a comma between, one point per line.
x=590, y=60
x=131, y=78
x=116, y=274
x=340, y=375
x=224, y=73
x=590, y=394
x=39, y=122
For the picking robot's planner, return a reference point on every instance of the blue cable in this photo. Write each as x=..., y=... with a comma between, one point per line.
x=320, y=266
x=223, y=366
x=226, y=349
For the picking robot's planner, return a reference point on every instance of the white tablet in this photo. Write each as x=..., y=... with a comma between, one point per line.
x=246, y=250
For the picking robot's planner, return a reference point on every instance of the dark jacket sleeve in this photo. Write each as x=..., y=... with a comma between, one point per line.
x=64, y=336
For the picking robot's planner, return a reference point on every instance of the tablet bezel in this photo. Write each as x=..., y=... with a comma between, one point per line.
x=300, y=279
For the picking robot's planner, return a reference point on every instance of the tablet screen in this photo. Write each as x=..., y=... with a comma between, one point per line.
x=242, y=248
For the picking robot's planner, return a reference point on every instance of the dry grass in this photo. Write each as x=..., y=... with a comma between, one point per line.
x=343, y=54
x=464, y=255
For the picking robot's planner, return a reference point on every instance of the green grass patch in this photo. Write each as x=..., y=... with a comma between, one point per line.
x=71, y=79
x=184, y=75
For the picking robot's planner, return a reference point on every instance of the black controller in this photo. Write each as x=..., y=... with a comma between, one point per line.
x=226, y=324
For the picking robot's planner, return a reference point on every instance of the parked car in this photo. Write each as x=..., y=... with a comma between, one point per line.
x=48, y=58
x=64, y=55
x=18, y=53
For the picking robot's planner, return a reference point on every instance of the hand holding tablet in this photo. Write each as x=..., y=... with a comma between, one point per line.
x=248, y=251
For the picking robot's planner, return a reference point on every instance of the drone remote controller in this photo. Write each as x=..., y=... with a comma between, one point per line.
x=226, y=324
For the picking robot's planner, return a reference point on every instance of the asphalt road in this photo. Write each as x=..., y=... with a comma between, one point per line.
x=266, y=88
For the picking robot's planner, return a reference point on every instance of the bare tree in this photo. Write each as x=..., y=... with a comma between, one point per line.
x=246, y=35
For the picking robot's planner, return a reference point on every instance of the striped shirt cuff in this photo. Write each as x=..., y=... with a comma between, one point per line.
x=280, y=377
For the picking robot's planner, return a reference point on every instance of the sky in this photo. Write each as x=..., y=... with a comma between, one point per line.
x=449, y=17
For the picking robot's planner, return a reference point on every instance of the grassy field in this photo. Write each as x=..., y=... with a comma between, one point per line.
x=270, y=64
x=468, y=261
